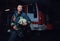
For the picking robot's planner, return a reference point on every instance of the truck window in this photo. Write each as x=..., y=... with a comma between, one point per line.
x=32, y=9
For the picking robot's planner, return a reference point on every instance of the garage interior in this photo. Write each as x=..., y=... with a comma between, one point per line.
x=48, y=7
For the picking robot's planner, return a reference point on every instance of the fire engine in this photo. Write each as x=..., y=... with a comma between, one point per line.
x=37, y=17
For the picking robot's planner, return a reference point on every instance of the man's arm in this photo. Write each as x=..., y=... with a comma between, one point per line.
x=13, y=22
x=27, y=18
x=13, y=19
x=28, y=23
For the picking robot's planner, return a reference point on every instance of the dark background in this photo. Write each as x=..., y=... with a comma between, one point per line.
x=50, y=7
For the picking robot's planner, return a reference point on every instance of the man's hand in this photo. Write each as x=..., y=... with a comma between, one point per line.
x=14, y=27
x=24, y=24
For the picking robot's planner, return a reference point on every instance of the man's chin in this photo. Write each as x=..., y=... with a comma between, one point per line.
x=24, y=25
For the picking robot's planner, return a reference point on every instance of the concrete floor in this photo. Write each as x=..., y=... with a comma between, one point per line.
x=53, y=35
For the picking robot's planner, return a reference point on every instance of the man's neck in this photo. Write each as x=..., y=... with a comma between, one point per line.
x=19, y=12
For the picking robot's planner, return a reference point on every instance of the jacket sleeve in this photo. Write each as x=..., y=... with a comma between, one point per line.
x=12, y=22
x=27, y=18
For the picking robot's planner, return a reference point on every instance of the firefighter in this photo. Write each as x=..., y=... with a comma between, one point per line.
x=18, y=22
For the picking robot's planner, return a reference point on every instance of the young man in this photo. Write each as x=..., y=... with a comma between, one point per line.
x=18, y=22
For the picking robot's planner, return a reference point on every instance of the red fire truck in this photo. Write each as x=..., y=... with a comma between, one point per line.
x=37, y=17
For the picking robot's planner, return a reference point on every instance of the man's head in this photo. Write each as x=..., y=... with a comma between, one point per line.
x=19, y=8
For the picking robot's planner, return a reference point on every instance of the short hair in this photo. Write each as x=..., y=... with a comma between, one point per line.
x=18, y=5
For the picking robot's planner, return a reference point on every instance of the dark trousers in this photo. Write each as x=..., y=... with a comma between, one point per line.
x=14, y=34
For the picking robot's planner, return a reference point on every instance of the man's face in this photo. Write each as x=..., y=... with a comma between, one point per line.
x=19, y=8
